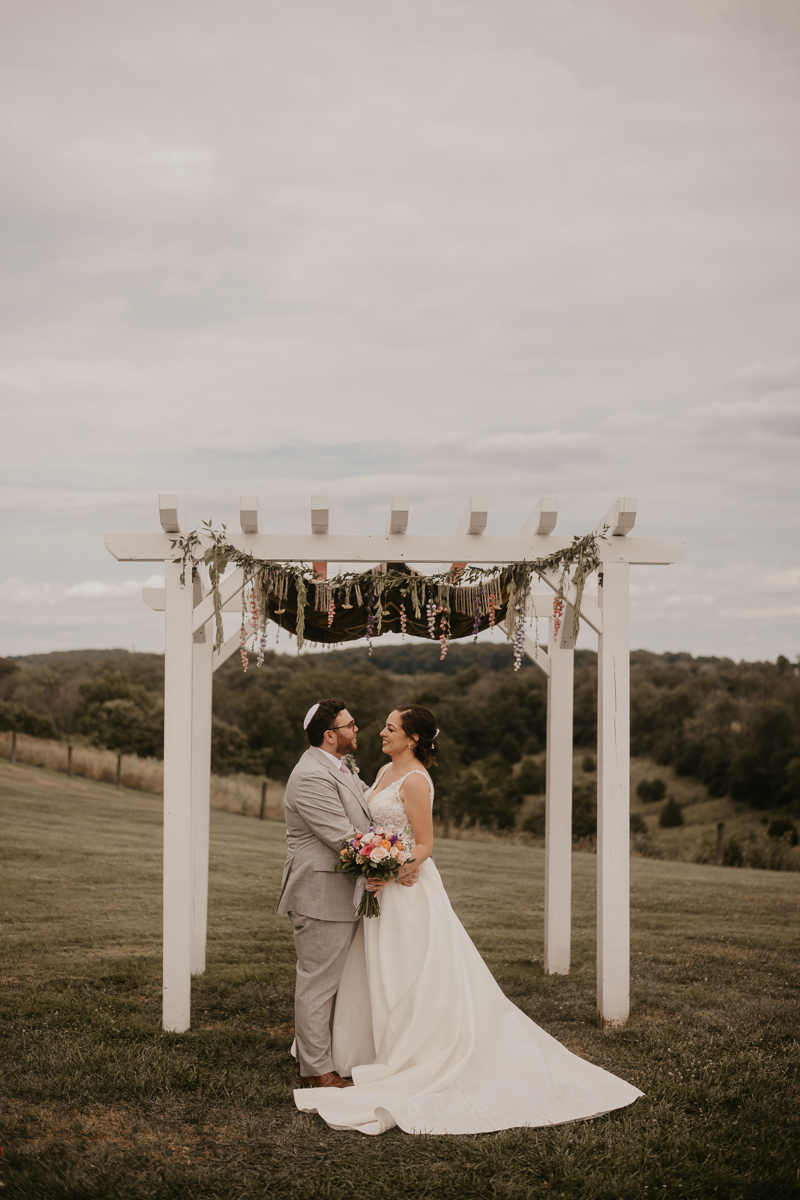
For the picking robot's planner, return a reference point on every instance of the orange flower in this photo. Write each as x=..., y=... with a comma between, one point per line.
x=386, y=843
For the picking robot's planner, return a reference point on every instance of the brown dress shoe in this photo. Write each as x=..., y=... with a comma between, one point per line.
x=329, y=1079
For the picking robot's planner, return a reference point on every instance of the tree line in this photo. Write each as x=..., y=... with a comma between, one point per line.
x=733, y=726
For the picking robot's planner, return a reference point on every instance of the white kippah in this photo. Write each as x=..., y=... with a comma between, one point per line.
x=310, y=716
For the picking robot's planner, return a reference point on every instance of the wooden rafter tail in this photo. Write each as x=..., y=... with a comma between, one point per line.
x=542, y=520
x=170, y=514
x=620, y=518
x=320, y=514
x=398, y=515
x=248, y=514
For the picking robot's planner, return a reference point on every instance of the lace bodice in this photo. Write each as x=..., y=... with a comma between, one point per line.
x=386, y=807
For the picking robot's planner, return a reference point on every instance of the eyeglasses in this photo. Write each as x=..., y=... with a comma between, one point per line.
x=351, y=725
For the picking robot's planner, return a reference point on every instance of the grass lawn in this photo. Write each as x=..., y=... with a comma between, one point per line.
x=99, y=1103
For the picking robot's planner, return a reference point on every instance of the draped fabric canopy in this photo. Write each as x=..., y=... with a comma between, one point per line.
x=351, y=621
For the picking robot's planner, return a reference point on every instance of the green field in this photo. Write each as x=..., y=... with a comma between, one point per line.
x=99, y=1103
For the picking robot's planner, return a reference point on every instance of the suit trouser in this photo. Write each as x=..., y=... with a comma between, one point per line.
x=322, y=948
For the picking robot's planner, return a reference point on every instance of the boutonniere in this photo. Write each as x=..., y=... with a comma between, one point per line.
x=349, y=761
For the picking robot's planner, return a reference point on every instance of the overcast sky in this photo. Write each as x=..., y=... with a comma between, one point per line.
x=370, y=247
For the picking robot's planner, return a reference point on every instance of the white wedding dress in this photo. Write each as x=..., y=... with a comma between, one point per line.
x=430, y=1041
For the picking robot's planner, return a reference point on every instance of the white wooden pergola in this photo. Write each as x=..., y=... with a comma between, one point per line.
x=189, y=664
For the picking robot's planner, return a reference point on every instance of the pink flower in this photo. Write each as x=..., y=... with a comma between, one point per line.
x=379, y=854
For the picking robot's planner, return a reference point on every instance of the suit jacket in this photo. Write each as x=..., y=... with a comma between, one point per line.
x=323, y=806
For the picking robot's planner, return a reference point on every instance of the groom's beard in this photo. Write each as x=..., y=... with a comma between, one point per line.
x=345, y=742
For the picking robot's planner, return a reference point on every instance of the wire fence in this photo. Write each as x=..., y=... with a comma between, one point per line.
x=245, y=794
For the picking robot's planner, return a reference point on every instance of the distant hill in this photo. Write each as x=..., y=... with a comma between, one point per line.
x=733, y=726
x=66, y=657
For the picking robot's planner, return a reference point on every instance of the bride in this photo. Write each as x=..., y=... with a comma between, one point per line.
x=431, y=1042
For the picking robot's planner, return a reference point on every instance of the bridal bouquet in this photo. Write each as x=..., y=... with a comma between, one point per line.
x=377, y=854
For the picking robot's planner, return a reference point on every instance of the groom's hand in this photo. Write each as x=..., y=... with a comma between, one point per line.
x=410, y=879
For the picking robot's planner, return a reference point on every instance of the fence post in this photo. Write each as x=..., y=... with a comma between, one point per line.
x=13, y=746
x=69, y=762
x=263, y=800
x=720, y=842
x=119, y=769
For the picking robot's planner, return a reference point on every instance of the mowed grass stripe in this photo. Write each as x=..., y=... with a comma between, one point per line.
x=98, y=1102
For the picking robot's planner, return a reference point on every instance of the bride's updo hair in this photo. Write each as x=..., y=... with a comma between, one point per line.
x=416, y=719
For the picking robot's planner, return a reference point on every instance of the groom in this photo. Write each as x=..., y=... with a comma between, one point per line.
x=324, y=803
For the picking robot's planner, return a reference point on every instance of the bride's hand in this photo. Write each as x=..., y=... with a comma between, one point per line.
x=410, y=879
x=376, y=885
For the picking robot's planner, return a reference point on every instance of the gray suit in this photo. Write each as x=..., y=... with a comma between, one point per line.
x=324, y=805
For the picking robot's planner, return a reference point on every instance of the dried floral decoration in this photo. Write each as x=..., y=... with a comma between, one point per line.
x=473, y=592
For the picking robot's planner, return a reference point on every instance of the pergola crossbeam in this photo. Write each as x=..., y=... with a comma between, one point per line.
x=389, y=547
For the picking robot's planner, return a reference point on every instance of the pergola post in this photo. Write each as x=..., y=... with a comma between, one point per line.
x=178, y=754
x=613, y=796
x=558, y=810
x=202, y=677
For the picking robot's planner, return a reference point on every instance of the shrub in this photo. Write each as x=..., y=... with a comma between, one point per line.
x=671, y=814
x=759, y=853
x=651, y=790
x=479, y=797
x=17, y=718
x=584, y=811
x=124, y=726
x=589, y=764
x=532, y=777
x=231, y=754
x=120, y=714
x=535, y=822
x=638, y=823
x=509, y=748
x=782, y=826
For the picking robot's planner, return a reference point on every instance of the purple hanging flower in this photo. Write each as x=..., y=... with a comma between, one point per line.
x=476, y=624
x=370, y=619
x=519, y=640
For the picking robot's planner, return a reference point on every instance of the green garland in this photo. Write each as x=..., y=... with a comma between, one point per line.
x=464, y=602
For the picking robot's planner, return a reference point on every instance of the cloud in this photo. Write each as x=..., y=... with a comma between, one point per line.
x=93, y=590
x=766, y=377
x=136, y=165
x=433, y=248
x=17, y=594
